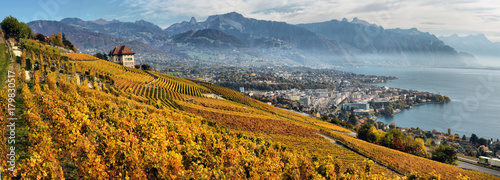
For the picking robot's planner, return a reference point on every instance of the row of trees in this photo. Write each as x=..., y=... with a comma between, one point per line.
x=398, y=140
x=479, y=141
x=102, y=56
x=394, y=139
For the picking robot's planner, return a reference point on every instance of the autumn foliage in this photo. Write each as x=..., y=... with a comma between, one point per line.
x=79, y=133
x=100, y=120
x=56, y=39
x=80, y=57
x=405, y=162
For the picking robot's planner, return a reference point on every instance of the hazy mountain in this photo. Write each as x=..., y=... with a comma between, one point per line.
x=248, y=30
x=478, y=45
x=146, y=32
x=376, y=45
x=184, y=26
x=209, y=38
x=93, y=42
x=233, y=39
x=214, y=46
x=278, y=39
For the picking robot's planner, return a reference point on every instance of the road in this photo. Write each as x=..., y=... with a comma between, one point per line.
x=469, y=164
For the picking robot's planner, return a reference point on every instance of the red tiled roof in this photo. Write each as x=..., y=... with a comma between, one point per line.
x=121, y=50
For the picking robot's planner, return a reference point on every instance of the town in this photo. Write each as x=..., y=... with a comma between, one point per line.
x=315, y=91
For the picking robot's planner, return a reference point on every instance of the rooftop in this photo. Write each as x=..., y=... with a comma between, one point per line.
x=121, y=50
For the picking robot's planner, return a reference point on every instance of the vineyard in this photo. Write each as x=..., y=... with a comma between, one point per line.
x=271, y=110
x=80, y=57
x=94, y=119
x=179, y=85
x=233, y=95
x=161, y=90
x=100, y=136
x=405, y=162
x=39, y=48
x=321, y=148
x=114, y=71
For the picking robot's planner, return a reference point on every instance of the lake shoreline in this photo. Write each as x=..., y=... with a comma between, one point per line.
x=473, y=109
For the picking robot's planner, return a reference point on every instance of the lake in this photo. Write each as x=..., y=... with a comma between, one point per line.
x=474, y=94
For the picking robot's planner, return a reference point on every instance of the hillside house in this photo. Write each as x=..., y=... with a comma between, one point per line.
x=122, y=55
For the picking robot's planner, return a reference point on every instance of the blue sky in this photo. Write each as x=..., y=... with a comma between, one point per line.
x=443, y=17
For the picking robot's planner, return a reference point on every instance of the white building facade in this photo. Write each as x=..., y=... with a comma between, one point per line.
x=122, y=55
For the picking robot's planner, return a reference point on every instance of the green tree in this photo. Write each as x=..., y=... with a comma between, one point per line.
x=464, y=138
x=146, y=67
x=101, y=56
x=26, y=31
x=365, y=133
x=388, y=111
x=335, y=121
x=15, y=29
x=10, y=26
x=428, y=134
x=380, y=125
x=482, y=141
x=324, y=117
x=473, y=138
x=67, y=43
x=352, y=119
x=40, y=37
x=445, y=154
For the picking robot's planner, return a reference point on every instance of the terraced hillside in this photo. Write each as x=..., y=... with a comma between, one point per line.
x=94, y=119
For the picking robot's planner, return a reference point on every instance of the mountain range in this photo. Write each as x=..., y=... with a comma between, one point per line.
x=477, y=45
x=234, y=39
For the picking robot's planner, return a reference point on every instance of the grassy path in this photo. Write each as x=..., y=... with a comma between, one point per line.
x=4, y=61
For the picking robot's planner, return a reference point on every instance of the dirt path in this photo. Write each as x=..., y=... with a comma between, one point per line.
x=151, y=82
x=154, y=76
x=3, y=40
x=329, y=139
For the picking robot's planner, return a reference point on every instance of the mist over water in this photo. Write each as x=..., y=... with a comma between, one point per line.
x=488, y=61
x=475, y=95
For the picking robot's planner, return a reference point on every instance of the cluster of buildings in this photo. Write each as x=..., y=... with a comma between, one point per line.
x=360, y=98
x=308, y=98
x=322, y=91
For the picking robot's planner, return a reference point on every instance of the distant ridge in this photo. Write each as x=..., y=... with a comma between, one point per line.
x=478, y=45
x=246, y=41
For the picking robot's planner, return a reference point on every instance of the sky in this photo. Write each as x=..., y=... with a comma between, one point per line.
x=439, y=17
